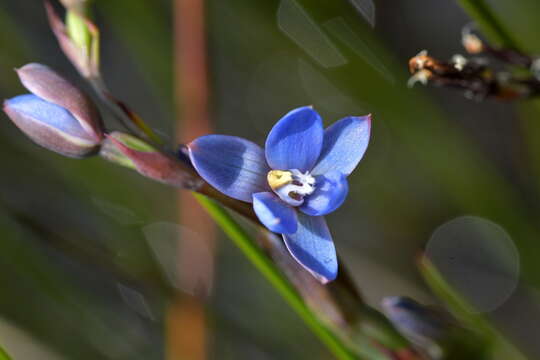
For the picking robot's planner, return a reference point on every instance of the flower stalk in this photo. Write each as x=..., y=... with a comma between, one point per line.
x=336, y=307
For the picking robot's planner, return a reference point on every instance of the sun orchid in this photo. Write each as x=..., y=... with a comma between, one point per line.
x=299, y=177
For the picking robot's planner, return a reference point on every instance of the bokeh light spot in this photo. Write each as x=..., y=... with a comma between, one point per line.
x=478, y=258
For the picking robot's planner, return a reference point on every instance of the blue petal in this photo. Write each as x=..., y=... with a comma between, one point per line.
x=233, y=165
x=313, y=248
x=331, y=189
x=274, y=213
x=345, y=142
x=295, y=142
x=47, y=113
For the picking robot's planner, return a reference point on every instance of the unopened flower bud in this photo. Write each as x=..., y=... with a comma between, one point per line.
x=426, y=327
x=129, y=151
x=78, y=36
x=57, y=115
x=414, y=319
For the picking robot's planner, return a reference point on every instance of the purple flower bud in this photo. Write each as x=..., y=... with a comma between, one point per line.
x=57, y=115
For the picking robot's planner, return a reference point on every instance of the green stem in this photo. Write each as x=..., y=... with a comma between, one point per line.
x=4, y=355
x=488, y=22
x=275, y=277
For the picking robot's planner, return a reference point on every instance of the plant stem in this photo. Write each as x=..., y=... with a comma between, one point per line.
x=275, y=277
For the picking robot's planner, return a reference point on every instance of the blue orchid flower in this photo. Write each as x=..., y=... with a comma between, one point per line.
x=299, y=177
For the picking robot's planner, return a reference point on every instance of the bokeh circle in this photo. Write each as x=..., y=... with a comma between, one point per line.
x=478, y=259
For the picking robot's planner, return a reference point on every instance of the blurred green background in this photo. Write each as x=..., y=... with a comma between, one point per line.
x=81, y=275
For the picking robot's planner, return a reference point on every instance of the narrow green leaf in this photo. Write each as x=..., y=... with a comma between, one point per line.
x=465, y=312
x=4, y=355
x=275, y=277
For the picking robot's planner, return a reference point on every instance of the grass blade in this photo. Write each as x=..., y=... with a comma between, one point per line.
x=259, y=259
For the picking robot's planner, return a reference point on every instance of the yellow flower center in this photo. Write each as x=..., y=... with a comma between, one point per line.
x=291, y=185
x=279, y=178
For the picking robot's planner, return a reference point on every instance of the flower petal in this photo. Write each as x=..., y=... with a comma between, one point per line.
x=235, y=166
x=313, y=248
x=331, y=189
x=295, y=142
x=345, y=143
x=274, y=213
